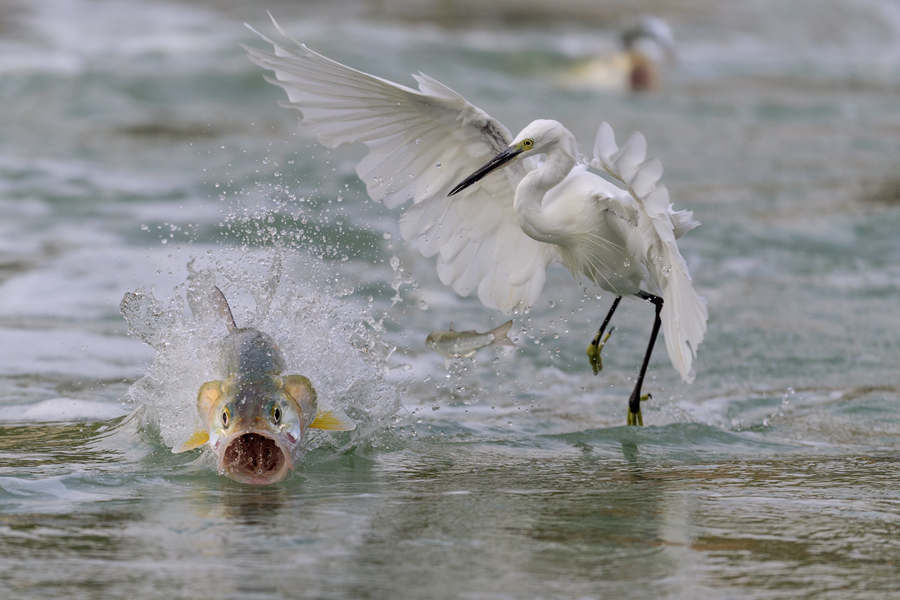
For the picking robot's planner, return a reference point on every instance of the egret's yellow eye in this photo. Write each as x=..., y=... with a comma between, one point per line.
x=276, y=414
x=527, y=144
x=226, y=416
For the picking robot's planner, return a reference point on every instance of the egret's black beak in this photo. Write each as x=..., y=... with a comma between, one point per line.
x=495, y=163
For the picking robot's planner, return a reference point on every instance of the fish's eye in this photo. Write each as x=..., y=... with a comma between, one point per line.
x=226, y=414
x=276, y=415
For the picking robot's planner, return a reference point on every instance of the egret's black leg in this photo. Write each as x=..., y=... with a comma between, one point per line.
x=634, y=402
x=606, y=320
x=593, y=350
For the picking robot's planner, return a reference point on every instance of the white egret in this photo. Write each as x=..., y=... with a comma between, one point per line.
x=497, y=238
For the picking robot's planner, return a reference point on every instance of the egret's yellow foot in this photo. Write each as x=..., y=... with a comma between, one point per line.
x=635, y=418
x=594, y=349
x=593, y=354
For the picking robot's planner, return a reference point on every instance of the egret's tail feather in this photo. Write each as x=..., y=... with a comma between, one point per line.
x=684, y=312
x=684, y=315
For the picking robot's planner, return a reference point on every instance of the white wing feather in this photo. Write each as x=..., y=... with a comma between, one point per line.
x=421, y=143
x=684, y=312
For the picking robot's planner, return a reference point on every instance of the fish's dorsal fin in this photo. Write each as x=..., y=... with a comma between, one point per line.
x=221, y=304
x=329, y=421
x=197, y=440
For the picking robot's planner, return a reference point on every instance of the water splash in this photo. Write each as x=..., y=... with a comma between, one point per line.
x=323, y=336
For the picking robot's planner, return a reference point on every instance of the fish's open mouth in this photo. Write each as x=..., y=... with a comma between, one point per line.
x=254, y=458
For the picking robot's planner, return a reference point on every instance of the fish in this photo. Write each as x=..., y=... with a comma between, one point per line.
x=461, y=344
x=255, y=418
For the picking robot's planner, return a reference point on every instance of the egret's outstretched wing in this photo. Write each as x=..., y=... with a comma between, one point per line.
x=421, y=142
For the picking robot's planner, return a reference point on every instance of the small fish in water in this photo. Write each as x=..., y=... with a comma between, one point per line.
x=255, y=417
x=456, y=344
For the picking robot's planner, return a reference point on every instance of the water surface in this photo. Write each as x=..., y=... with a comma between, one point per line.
x=137, y=138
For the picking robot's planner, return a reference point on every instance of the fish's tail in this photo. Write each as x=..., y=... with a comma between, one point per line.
x=500, y=335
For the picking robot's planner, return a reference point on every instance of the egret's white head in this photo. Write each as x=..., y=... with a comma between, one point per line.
x=538, y=137
x=541, y=136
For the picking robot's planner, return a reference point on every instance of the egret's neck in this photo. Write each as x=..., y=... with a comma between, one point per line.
x=560, y=160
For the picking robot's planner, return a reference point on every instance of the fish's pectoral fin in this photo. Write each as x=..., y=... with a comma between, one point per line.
x=197, y=440
x=302, y=392
x=209, y=394
x=329, y=421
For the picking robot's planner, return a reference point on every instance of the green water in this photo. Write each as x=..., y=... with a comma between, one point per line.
x=137, y=137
